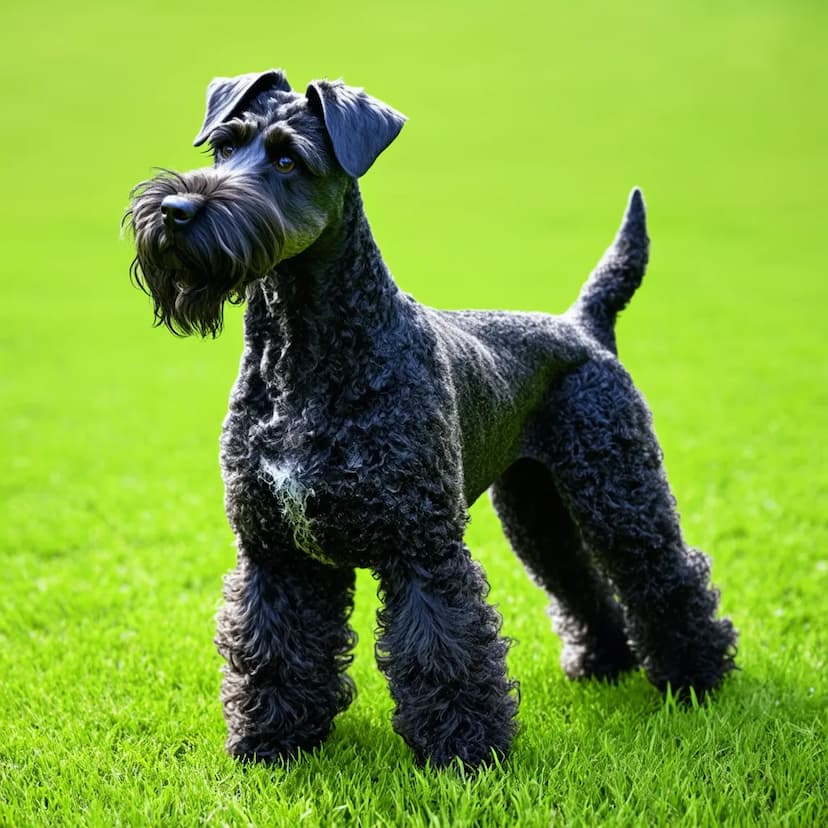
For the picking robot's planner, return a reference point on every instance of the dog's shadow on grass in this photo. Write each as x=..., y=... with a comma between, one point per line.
x=593, y=717
x=631, y=717
x=358, y=741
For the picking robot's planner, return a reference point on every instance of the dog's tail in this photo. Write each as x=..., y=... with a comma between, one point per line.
x=617, y=276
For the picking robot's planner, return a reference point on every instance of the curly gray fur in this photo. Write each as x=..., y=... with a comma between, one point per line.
x=362, y=425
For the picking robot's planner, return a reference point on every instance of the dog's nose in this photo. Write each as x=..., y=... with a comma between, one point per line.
x=178, y=210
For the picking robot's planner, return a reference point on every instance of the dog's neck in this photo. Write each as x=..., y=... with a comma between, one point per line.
x=334, y=303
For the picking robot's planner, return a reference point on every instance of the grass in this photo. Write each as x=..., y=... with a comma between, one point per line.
x=528, y=126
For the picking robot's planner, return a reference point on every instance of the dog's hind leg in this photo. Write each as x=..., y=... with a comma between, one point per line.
x=544, y=536
x=283, y=631
x=606, y=465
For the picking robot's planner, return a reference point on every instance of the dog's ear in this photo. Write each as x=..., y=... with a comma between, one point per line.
x=360, y=126
x=226, y=96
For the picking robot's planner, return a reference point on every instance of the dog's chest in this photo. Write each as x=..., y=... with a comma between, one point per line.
x=340, y=490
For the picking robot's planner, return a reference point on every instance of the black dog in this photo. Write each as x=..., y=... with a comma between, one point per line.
x=362, y=425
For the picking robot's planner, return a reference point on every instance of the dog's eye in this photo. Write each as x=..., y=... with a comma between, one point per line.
x=226, y=151
x=284, y=164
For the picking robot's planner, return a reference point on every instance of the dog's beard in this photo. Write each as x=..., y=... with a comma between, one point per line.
x=234, y=239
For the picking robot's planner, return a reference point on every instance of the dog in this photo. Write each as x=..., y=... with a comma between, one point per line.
x=362, y=425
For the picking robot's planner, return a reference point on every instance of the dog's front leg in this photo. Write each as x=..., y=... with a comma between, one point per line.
x=440, y=649
x=284, y=633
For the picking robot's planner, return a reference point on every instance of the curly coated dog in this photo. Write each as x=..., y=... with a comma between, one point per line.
x=362, y=425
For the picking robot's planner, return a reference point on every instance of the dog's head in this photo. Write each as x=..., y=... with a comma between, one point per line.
x=282, y=162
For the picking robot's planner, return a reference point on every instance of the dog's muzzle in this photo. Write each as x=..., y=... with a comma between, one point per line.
x=200, y=239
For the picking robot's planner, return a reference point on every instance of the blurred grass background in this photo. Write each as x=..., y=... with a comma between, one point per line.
x=529, y=123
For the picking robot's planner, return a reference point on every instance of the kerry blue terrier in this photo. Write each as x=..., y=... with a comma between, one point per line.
x=363, y=424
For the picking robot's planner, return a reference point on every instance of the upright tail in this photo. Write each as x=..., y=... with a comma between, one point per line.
x=617, y=276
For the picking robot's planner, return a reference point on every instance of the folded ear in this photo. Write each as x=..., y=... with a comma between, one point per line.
x=227, y=96
x=360, y=126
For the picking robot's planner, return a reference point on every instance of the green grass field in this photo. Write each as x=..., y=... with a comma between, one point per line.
x=529, y=123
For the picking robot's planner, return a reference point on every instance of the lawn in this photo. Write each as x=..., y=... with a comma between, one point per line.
x=529, y=123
